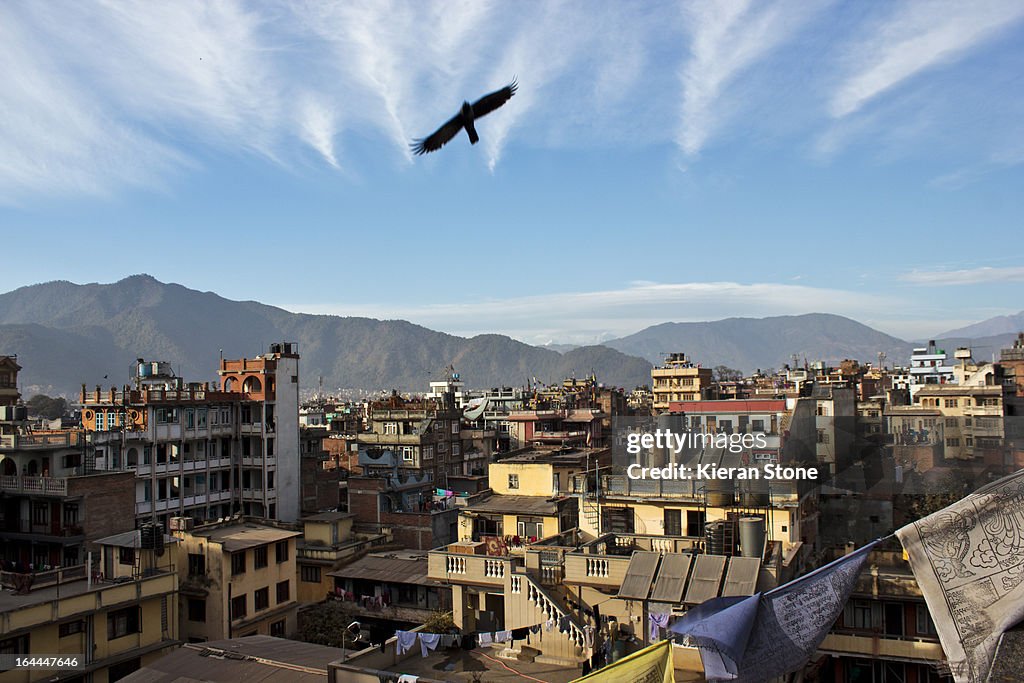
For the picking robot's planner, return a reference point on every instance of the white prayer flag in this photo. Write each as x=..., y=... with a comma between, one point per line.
x=968, y=559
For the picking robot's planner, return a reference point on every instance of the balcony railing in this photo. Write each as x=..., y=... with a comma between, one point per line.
x=46, y=486
x=26, y=526
x=32, y=441
x=477, y=569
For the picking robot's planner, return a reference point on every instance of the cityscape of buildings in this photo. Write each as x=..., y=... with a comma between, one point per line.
x=166, y=523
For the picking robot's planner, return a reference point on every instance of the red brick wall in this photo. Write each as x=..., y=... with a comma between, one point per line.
x=107, y=504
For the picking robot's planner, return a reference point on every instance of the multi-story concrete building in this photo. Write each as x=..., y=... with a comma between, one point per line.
x=679, y=379
x=928, y=366
x=9, y=394
x=54, y=504
x=419, y=437
x=114, y=622
x=328, y=541
x=237, y=579
x=545, y=426
x=204, y=452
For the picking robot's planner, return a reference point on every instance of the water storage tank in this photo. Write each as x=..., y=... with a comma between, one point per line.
x=720, y=492
x=755, y=493
x=720, y=538
x=751, y=536
x=145, y=369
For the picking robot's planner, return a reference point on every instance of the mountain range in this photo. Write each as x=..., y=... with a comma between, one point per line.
x=66, y=334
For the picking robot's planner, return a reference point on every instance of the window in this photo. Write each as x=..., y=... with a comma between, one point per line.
x=15, y=646
x=952, y=402
x=238, y=607
x=70, y=514
x=197, y=610
x=283, y=592
x=822, y=436
x=673, y=522
x=456, y=449
x=530, y=529
x=513, y=481
x=310, y=574
x=391, y=428
x=277, y=629
x=126, y=556
x=261, y=599
x=282, y=551
x=238, y=563
x=428, y=452
x=861, y=614
x=455, y=426
x=123, y=622
x=40, y=513
x=757, y=425
x=70, y=628
x=953, y=442
x=951, y=422
x=407, y=453
x=925, y=625
x=260, y=557
x=270, y=446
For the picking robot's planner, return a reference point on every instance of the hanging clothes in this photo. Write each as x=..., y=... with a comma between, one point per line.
x=588, y=636
x=406, y=639
x=520, y=633
x=408, y=678
x=549, y=625
x=429, y=641
x=502, y=636
x=655, y=623
x=485, y=639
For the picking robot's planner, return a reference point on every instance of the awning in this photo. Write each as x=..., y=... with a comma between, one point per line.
x=672, y=578
x=706, y=578
x=639, y=575
x=741, y=579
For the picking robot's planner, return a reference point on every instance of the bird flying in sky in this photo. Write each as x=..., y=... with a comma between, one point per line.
x=464, y=119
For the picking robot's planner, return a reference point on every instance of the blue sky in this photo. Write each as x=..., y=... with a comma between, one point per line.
x=660, y=161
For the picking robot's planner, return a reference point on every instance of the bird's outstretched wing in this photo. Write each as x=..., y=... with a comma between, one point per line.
x=440, y=137
x=488, y=103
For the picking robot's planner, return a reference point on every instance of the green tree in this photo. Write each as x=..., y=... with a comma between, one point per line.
x=324, y=623
x=723, y=373
x=43, y=406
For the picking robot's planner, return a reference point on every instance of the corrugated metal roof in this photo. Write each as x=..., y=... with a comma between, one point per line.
x=705, y=578
x=387, y=569
x=672, y=578
x=639, y=575
x=741, y=579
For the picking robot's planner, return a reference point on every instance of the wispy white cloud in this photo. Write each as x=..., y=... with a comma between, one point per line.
x=966, y=276
x=728, y=38
x=919, y=35
x=105, y=95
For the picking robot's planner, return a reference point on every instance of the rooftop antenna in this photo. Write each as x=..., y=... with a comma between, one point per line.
x=881, y=360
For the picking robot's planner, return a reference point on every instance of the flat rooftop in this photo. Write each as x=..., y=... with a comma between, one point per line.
x=451, y=667
x=10, y=601
x=251, y=659
x=241, y=536
x=573, y=457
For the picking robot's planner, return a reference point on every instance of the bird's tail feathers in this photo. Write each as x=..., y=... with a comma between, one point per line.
x=473, y=137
